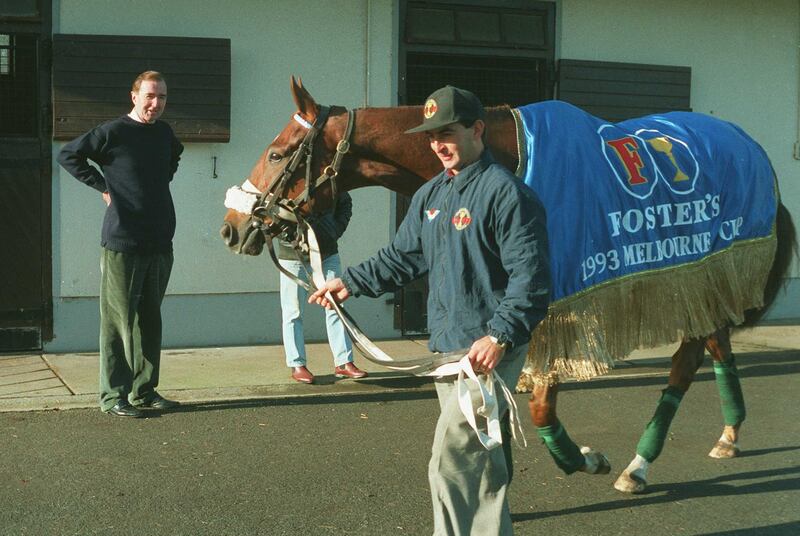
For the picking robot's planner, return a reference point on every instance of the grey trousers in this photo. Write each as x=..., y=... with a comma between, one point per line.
x=132, y=287
x=469, y=483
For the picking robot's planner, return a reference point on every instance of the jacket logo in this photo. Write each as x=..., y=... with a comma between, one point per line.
x=432, y=213
x=462, y=219
x=430, y=108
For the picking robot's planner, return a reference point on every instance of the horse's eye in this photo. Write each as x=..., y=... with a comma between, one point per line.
x=275, y=157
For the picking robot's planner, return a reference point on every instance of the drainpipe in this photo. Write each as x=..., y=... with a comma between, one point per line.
x=796, y=151
x=366, y=54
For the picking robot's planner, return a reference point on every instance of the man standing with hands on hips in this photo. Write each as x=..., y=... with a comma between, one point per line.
x=479, y=234
x=137, y=155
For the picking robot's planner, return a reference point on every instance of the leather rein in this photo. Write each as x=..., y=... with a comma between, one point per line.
x=286, y=219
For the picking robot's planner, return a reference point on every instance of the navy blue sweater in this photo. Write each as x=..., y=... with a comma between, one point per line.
x=328, y=226
x=137, y=162
x=481, y=238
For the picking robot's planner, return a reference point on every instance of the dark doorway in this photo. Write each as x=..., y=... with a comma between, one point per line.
x=25, y=176
x=496, y=81
x=502, y=51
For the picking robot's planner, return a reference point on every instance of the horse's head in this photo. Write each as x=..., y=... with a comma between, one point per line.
x=295, y=176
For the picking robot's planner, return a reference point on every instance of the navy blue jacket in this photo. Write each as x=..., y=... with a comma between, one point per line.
x=481, y=238
x=328, y=226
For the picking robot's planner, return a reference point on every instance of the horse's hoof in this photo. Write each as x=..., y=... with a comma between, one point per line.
x=630, y=483
x=724, y=450
x=596, y=462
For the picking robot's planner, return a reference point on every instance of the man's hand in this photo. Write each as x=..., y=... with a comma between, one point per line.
x=336, y=288
x=107, y=199
x=484, y=355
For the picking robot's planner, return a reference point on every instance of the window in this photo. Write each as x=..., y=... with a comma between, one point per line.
x=5, y=54
x=18, y=85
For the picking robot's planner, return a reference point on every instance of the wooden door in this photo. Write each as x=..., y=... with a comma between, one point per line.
x=25, y=176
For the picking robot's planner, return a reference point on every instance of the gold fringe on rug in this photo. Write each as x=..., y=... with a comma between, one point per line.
x=584, y=333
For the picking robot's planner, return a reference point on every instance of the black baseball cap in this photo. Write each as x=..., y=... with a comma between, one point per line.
x=449, y=105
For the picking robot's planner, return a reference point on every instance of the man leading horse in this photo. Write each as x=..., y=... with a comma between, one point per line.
x=480, y=236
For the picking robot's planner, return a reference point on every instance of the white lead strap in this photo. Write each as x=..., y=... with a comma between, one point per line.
x=460, y=366
x=492, y=438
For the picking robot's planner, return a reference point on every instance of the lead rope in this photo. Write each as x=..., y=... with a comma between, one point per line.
x=451, y=364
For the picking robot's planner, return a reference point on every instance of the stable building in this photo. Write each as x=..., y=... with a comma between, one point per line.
x=67, y=65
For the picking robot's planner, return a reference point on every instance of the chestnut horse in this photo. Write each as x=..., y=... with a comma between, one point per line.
x=323, y=150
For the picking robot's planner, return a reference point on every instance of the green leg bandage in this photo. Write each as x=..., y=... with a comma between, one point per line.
x=652, y=440
x=730, y=392
x=564, y=451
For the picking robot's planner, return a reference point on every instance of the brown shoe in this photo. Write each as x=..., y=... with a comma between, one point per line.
x=349, y=370
x=302, y=375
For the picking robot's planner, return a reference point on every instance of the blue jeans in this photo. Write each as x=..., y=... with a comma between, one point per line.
x=293, y=300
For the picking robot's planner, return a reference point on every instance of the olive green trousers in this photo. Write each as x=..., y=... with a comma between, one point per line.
x=132, y=287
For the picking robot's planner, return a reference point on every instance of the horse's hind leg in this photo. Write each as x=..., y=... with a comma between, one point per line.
x=567, y=455
x=730, y=394
x=685, y=362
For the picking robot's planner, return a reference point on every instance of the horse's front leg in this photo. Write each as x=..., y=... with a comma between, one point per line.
x=685, y=362
x=567, y=455
x=730, y=394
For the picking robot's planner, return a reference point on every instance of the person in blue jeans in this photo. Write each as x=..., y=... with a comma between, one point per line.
x=328, y=227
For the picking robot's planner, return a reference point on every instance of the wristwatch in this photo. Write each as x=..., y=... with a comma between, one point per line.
x=501, y=341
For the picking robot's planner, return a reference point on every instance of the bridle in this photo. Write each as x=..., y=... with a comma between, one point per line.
x=271, y=212
x=273, y=204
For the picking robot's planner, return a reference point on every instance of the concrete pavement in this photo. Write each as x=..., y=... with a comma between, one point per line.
x=64, y=381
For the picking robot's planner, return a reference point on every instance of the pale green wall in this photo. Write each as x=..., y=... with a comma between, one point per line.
x=743, y=55
x=744, y=60
x=352, y=66
x=745, y=69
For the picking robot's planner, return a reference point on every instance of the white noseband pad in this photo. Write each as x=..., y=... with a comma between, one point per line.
x=242, y=198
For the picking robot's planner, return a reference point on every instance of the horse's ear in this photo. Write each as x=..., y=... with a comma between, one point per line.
x=303, y=99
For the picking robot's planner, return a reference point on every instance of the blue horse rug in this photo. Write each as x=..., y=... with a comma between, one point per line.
x=659, y=227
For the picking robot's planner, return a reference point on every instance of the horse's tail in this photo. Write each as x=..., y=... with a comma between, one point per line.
x=784, y=253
